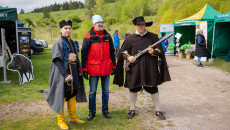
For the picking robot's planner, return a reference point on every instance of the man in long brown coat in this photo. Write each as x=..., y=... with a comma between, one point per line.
x=147, y=73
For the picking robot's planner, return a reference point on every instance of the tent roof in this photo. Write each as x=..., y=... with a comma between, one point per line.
x=206, y=13
x=227, y=13
x=222, y=18
x=8, y=14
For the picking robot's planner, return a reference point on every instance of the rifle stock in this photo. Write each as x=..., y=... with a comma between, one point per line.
x=128, y=65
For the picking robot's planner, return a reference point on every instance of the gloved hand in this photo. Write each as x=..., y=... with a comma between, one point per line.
x=113, y=71
x=85, y=74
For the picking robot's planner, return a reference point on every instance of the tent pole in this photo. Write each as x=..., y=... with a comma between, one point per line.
x=213, y=38
x=3, y=56
x=16, y=25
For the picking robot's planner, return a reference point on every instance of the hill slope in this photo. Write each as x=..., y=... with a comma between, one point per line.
x=167, y=12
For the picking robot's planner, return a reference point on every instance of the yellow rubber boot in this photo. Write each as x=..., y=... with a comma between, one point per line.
x=71, y=105
x=61, y=119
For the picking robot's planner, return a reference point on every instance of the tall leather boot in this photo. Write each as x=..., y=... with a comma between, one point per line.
x=72, y=111
x=61, y=119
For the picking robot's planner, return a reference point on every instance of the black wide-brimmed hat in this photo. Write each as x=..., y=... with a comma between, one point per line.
x=141, y=20
x=65, y=22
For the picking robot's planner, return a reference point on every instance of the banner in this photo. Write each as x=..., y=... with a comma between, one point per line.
x=168, y=29
x=24, y=39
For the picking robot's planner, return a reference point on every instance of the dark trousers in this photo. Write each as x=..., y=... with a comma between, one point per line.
x=150, y=90
x=117, y=49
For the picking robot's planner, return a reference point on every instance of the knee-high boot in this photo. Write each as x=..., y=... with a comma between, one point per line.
x=71, y=105
x=61, y=119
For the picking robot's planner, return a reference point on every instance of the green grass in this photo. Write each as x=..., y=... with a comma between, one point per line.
x=27, y=92
x=14, y=92
x=49, y=121
x=45, y=32
x=221, y=64
x=57, y=15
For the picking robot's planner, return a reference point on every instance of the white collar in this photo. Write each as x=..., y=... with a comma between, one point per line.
x=137, y=33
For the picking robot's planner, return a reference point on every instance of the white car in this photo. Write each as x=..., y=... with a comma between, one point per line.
x=42, y=42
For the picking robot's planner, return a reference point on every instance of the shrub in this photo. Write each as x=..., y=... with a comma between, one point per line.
x=42, y=23
x=75, y=20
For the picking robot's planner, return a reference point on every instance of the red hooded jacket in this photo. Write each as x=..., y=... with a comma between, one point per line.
x=97, y=53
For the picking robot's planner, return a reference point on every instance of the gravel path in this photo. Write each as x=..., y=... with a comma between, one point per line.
x=196, y=98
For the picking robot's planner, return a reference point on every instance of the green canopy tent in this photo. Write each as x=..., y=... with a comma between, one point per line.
x=187, y=26
x=8, y=21
x=221, y=33
x=8, y=14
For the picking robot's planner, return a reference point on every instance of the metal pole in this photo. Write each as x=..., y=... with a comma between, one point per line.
x=4, y=61
x=16, y=25
x=213, y=39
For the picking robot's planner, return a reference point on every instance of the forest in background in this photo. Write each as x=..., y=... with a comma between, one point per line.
x=118, y=14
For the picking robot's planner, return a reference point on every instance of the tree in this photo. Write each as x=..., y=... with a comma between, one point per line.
x=51, y=20
x=109, y=1
x=65, y=6
x=98, y=7
x=75, y=5
x=61, y=8
x=89, y=4
x=46, y=15
x=22, y=11
x=155, y=5
x=28, y=22
x=75, y=20
x=81, y=5
x=71, y=4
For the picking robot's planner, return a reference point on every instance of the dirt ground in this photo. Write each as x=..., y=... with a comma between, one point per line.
x=196, y=98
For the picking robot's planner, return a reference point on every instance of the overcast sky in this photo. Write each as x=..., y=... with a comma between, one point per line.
x=29, y=5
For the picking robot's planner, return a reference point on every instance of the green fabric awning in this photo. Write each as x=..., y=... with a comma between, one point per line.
x=207, y=13
x=8, y=14
x=223, y=18
x=187, y=28
x=221, y=33
x=186, y=22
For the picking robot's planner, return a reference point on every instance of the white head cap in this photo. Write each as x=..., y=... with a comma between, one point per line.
x=97, y=18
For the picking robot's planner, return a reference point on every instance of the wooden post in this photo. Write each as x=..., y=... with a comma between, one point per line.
x=51, y=34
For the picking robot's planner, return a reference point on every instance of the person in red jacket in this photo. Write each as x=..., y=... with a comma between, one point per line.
x=98, y=61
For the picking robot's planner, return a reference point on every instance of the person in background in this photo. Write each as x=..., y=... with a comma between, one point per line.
x=116, y=40
x=165, y=43
x=65, y=80
x=200, y=50
x=127, y=34
x=98, y=61
x=145, y=73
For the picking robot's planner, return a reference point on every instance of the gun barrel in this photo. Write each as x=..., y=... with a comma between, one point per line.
x=127, y=65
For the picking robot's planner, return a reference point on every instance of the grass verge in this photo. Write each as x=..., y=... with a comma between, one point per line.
x=220, y=63
x=14, y=92
x=49, y=121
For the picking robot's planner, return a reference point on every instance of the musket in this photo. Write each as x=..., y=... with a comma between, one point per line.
x=128, y=65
